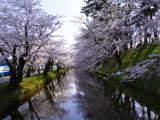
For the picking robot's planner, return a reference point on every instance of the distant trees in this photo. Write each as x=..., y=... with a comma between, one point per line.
x=24, y=29
x=92, y=6
x=116, y=26
x=54, y=54
x=146, y=18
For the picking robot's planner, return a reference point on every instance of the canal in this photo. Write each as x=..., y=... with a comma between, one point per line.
x=80, y=96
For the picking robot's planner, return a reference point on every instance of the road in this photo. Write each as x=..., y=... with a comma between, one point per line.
x=4, y=79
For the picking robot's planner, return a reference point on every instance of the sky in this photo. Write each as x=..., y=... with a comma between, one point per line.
x=70, y=9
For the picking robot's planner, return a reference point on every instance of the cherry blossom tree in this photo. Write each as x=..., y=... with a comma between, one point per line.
x=146, y=19
x=104, y=34
x=55, y=53
x=145, y=70
x=24, y=29
x=117, y=26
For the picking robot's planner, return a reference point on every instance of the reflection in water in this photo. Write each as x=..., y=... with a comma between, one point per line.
x=32, y=111
x=16, y=115
x=100, y=101
x=54, y=102
x=80, y=96
x=95, y=104
x=45, y=105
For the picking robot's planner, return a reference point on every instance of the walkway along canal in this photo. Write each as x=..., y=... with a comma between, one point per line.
x=80, y=96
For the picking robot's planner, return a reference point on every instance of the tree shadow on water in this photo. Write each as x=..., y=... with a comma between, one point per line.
x=100, y=101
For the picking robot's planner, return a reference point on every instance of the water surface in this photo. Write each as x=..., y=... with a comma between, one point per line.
x=80, y=96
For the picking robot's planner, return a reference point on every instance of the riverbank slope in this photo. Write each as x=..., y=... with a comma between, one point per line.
x=140, y=69
x=28, y=87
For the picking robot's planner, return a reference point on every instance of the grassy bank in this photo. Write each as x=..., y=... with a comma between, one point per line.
x=28, y=87
x=131, y=58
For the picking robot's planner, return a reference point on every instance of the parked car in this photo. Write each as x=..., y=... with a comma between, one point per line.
x=4, y=70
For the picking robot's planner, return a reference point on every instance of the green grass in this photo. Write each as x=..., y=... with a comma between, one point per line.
x=131, y=58
x=27, y=88
x=140, y=54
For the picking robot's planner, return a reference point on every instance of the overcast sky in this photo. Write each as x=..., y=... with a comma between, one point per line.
x=68, y=8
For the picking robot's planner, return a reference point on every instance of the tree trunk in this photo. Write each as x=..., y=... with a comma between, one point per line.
x=155, y=34
x=118, y=58
x=28, y=72
x=12, y=76
x=38, y=70
x=51, y=66
x=58, y=67
x=19, y=74
x=155, y=30
x=124, y=47
x=47, y=67
x=145, y=36
x=131, y=44
x=46, y=70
